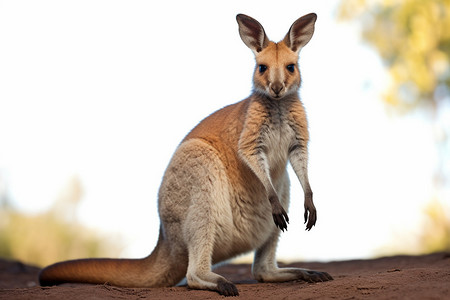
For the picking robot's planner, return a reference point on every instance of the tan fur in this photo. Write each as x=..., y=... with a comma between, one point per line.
x=226, y=189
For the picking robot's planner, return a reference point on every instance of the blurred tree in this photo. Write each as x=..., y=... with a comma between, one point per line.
x=436, y=235
x=413, y=39
x=68, y=199
x=4, y=194
x=53, y=235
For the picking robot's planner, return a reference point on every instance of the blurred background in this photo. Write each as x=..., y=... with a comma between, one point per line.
x=95, y=96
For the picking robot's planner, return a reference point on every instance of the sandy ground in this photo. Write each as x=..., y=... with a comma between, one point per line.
x=397, y=277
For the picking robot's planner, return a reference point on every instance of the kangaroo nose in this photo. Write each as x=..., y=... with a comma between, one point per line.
x=277, y=88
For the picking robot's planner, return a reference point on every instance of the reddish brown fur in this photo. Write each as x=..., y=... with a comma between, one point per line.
x=279, y=56
x=226, y=189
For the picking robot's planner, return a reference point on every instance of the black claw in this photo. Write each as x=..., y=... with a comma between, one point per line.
x=227, y=289
x=316, y=276
x=328, y=276
x=286, y=217
x=281, y=220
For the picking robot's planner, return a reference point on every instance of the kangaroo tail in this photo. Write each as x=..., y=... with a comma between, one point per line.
x=160, y=268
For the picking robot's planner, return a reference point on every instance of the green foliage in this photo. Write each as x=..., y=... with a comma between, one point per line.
x=44, y=238
x=52, y=236
x=436, y=233
x=413, y=39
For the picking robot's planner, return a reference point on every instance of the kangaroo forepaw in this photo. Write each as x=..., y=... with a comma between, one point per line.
x=310, y=217
x=280, y=217
x=227, y=289
x=281, y=220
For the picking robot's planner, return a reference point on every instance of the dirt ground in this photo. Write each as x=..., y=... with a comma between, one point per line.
x=397, y=277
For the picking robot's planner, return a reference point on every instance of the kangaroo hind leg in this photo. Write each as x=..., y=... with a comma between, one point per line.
x=199, y=274
x=265, y=268
x=204, y=233
x=208, y=217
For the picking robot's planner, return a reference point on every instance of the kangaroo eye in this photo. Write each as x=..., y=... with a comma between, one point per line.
x=291, y=68
x=262, y=68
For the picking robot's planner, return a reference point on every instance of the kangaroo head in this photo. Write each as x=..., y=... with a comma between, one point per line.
x=276, y=74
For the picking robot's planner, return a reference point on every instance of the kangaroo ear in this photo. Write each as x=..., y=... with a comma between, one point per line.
x=300, y=32
x=252, y=33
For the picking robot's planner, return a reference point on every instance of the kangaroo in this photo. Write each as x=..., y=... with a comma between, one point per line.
x=226, y=189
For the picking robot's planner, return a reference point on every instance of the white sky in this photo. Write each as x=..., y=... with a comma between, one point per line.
x=105, y=90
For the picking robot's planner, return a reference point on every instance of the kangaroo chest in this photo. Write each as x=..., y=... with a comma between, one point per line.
x=277, y=137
